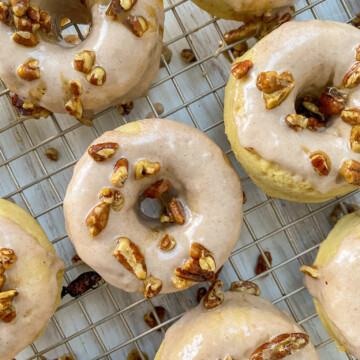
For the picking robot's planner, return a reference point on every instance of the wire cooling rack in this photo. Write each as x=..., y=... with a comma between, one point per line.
x=107, y=323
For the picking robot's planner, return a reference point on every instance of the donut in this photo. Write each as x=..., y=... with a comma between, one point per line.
x=149, y=207
x=115, y=64
x=292, y=111
x=242, y=326
x=30, y=280
x=332, y=281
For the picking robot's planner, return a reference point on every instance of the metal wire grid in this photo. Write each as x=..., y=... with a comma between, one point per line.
x=292, y=232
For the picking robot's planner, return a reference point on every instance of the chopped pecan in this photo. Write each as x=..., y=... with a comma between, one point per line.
x=114, y=9
x=5, y=14
x=97, y=76
x=314, y=124
x=75, y=87
x=135, y=355
x=240, y=69
x=297, y=122
x=120, y=173
x=52, y=154
x=281, y=346
x=321, y=163
x=45, y=24
x=358, y=53
x=188, y=55
x=247, y=287
x=150, y=318
x=205, y=257
x=25, y=38
x=118, y=202
x=177, y=211
x=19, y=7
x=181, y=283
x=127, y=4
x=97, y=219
x=33, y=13
x=312, y=271
x=214, y=296
x=261, y=264
x=241, y=33
x=331, y=102
x=30, y=70
x=154, y=191
x=103, y=151
x=24, y=24
x=8, y=314
x=166, y=219
x=136, y=24
x=351, y=116
x=125, y=109
x=167, y=243
x=350, y=170
x=6, y=298
x=145, y=168
x=151, y=287
x=84, y=61
x=74, y=107
x=352, y=78
x=112, y=197
x=355, y=138
x=7, y=258
x=200, y=294
x=129, y=255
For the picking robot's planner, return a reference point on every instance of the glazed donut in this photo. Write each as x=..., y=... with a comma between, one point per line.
x=243, y=326
x=115, y=64
x=293, y=119
x=243, y=10
x=124, y=175
x=30, y=280
x=332, y=281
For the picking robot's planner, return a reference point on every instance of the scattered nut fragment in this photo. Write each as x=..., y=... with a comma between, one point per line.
x=75, y=259
x=151, y=287
x=150, y=319
x=331, y=102
x=355, y=138
x=75, y=87
x=65, y=357
x=19, y=7
x=350, y=170
x=261, y=264
x=351, y=116
x=240, y=69
x=25, y=38
x=137, y=25
x=187, y=55
x=352, y=78
x=181, y=283
x=52, y=154
x=97, y=76
x=321, y=163
x=339, y=211
x=5, y=14
x=125, y=109
x=247, y=287
x=84, y=61
x=241, y=33
x=74, y=107
x=154, y=191
x=297, y=122
x=244, y=198
x=177, y=211
x=28, y=110
x=135, y=355
x=30, y=70
x=103, y=151
x=45, y=24
x=312, y=271
x=97, y=219
x=200, y=294
x=120, y=173
x=84, y=282
x=356, y=21
x=145, y=168
x=127, y=4
x=167, y=243
x=129, y=255
x=214, y=296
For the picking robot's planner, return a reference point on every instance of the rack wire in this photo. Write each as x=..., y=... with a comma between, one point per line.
x=106, y=323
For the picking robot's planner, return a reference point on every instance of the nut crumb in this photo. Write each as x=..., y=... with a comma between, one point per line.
x=52, y=154
x=188, y=55
x=150, y=319
x=261, y=264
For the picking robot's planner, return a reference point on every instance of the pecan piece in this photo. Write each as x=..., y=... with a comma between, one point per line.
x=247, y=287
x=103, y=151
x=241, y=33
x=129, y=255
x=84, y=61
x=45, y=25
x=261, y=264
x=33, y=13
x=75, y=87
x=30, y=70
x=19, y=7
x=137, y=25
x=23, y=24
x=351, y=116
x=97, y=219
x=5, y=14
x=180, y=283
x=188, y=55
x=150, y=318
x=358, y=53
x=167, y=243
x=312, y=271
x=321, y=163
x=355, y=138
x=112, y=197
x=6, y=298
x=297, y=122
x=177, y=211
x=52, y=154
x=240, y=69
x=350, y=170
x=97, y=76
x=145, y=168
x=25, y=38
x=151, y=287
x=74, y=107
x=281, y=346
x=352, y=78
x=214, y=296
x=154, y=191
x=331, y=102
x=7, y=258
x=205, y=257
x=127, y=4
x=125, y=109
x=120, y=173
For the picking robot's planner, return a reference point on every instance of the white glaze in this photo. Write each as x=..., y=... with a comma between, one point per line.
x=317, y=57
x=338, y=292
x=34, y=276
x=130, y=62
x=196, y=168
x=237, y=327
